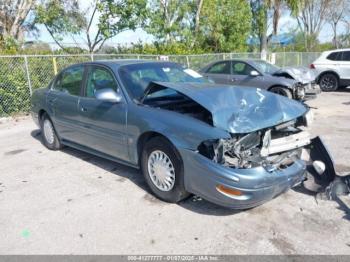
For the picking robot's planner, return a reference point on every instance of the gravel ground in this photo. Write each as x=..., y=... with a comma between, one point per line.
x=70, y=202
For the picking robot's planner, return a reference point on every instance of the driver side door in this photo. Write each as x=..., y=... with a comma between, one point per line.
x=103, y=122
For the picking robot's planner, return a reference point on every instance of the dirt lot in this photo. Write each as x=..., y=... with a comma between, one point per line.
x=69, y=202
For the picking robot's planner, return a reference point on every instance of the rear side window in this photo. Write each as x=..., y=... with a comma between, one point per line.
x=220, y=68
x=346, y=56
x=70, y=80
x=336, y=56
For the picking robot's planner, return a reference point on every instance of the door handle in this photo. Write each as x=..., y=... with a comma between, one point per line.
x=233, y=79
x=83, y=109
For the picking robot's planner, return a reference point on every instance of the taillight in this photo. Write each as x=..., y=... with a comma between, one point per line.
x=312, y=66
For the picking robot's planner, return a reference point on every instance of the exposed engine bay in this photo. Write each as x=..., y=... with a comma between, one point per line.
x=275, y=147
x=271, y=148
x=181, y=104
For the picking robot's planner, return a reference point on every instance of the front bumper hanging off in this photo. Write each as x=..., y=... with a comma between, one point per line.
x=311, y=91
x=246, y=188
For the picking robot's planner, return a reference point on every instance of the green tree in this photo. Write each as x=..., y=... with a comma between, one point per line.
x=277, y=6
x=15, y=18
x=170, y=20
x=61, y=18
x=261, y=10
x=311, y=20
x=259, y=22
x=225, y=25
x=64, y=18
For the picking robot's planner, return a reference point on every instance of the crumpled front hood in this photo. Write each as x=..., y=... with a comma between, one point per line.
x=240, y=109
x=300, y=74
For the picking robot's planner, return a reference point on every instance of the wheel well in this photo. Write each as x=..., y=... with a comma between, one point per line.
x=41, y=113
x=269, y=89
x=326, y=72
x=146, y=137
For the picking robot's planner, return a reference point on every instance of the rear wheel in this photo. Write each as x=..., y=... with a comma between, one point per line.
x=163, y=170
x=329, y=82
x=48, y=132
x=283, y=91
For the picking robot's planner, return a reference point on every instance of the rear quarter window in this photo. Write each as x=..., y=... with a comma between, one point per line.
x=70, y=80
x=335, y=56
x=219, y=68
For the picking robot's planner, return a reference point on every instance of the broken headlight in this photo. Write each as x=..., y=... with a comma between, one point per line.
x=271, y=149
x=239, y=152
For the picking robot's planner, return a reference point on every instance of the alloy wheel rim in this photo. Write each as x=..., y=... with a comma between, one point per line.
x=328, y=82
x=161, y=170
x=48, y=131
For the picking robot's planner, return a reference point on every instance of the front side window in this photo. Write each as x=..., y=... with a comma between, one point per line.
x=220, y=68
x=70, y=80
x=240, y=68
x=99, y=78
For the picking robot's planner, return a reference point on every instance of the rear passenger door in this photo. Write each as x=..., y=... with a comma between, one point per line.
x=103, y=123
x=220, y=72
x=344, y=66
x=333, y=61
x=63, y=100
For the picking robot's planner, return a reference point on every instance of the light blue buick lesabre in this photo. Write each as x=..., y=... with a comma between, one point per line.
x=235, y=146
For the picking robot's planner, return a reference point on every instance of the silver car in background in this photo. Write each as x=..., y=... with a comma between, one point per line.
x=293, y=82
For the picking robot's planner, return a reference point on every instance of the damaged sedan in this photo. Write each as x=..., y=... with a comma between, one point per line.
x=234, y=146
x=298, y=83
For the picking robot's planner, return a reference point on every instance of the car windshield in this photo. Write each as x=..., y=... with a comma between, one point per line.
x=265, y=67
x=137, y=77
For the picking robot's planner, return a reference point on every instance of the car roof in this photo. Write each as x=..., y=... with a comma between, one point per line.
x=335, y=50
x=120, y=62
x=246, y=60
x=339, y=50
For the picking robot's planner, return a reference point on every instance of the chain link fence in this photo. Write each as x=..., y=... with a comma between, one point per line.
x=21, y=75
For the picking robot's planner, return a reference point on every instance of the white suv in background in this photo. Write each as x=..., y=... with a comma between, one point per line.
x=333, y=69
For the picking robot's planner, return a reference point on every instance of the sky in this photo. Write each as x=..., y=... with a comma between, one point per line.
x=127, y=37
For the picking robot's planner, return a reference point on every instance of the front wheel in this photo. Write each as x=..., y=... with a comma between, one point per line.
x=283, y=91
x=163, y=170
x=50, y=139
x=329, y=82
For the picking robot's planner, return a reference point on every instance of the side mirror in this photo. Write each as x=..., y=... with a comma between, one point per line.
x=108, y=95
x=254, y=73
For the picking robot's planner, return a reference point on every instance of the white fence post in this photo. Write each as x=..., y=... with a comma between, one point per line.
x=28, y=76
x=188, y=62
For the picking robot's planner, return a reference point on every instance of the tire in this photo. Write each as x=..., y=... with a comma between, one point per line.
x=283, y=91
x=160, y=155
x=329, y=82
x=48, y=133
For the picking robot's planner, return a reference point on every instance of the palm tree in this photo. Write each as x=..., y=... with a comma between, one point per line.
x=276, y=5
